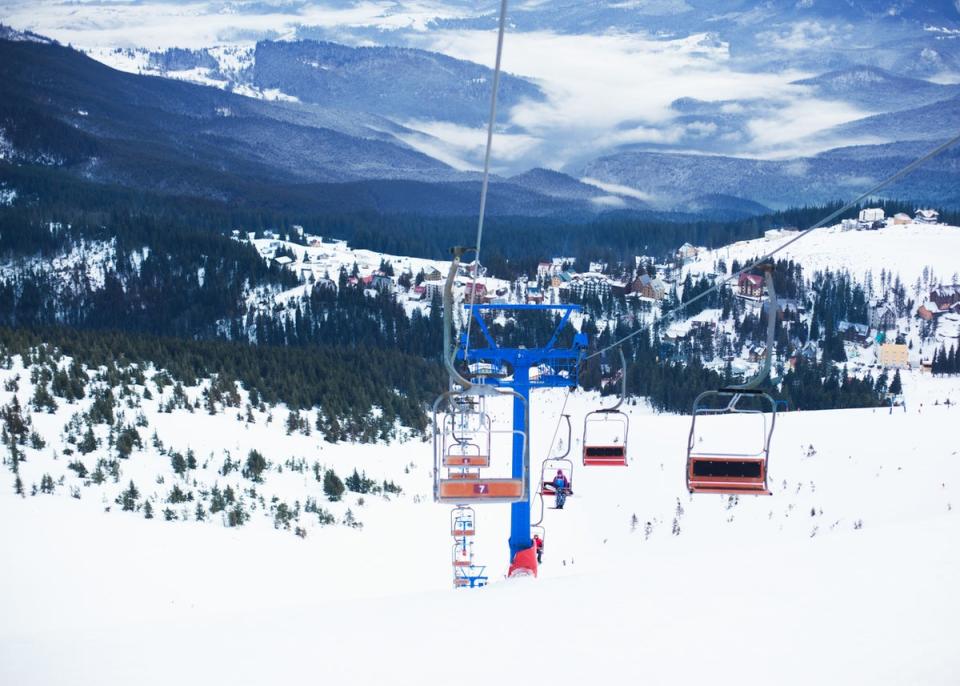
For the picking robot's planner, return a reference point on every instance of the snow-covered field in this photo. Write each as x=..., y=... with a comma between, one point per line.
x=903, y=250
x=846, y=575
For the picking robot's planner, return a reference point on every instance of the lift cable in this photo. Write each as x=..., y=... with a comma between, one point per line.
x=486, y=162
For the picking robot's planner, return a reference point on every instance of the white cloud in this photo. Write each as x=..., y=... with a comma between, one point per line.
x=462, y=147
x=618, y=189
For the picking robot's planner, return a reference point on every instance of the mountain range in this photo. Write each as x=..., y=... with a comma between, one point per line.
x=331, y=129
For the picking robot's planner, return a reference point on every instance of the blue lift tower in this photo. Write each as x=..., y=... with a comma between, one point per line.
x=523, y=370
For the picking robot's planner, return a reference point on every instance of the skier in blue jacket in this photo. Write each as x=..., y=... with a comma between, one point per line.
x=561, y=489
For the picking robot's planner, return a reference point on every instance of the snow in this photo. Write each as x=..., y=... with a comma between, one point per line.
x=791, y=583
x=916, y=246
x=7, y=150
x=87, y=262
x=327, y=258
x=7, y=196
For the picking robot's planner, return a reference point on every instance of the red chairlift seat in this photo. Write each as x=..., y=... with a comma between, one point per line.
x=730, y=473
x=605, y=455
x=609, y=452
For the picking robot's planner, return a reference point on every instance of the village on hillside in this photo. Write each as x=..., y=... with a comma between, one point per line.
x=900, y=330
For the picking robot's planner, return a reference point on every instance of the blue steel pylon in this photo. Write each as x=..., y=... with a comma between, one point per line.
x=557, y=368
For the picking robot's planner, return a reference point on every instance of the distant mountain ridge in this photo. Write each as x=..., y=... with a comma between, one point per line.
x=397, y=82
x=682, y=179
x=876, y=88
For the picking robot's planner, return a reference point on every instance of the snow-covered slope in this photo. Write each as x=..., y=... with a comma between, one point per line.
x=904, y=250
x=845, y=575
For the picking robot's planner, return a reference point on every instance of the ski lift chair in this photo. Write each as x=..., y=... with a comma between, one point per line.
x=609, y=453
x=463, y=485
x=462, y=555
x=730, y=473
x=463, y=522
x=737, y=472
x=562, y=462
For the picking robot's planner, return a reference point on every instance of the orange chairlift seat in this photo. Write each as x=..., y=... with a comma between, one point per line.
x=608, y=452
x=736, y=472
x=466, y=454
x=745, y=472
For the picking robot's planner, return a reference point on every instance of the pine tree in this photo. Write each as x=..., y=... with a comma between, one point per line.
x=147, y=510
x=89, y=442
x=896, y=386
x=255, y=466
x=128, y=499
x=332, y=485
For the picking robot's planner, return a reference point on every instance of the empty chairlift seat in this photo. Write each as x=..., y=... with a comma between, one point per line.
x=465, y=455
x=735, y=414
x=463, y=491
x=605, y=455
x=729, y=474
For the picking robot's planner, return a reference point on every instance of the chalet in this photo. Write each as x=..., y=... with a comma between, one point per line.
x=946, y=297
x=853, y=333
x=883, y=316
x=647, y=287
x=432, y=274
x=283, y=260
x=687, y=252
x=893, y=355
x=927, y=217
x=381, y=282
x=901, y=218
x=418, y=292
x=928, y=311
x=756, y=353
x=750, y=285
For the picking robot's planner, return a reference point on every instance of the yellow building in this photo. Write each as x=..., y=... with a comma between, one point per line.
x=893, y=355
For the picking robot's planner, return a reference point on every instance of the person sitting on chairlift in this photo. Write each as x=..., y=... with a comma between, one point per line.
x=561, y=487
